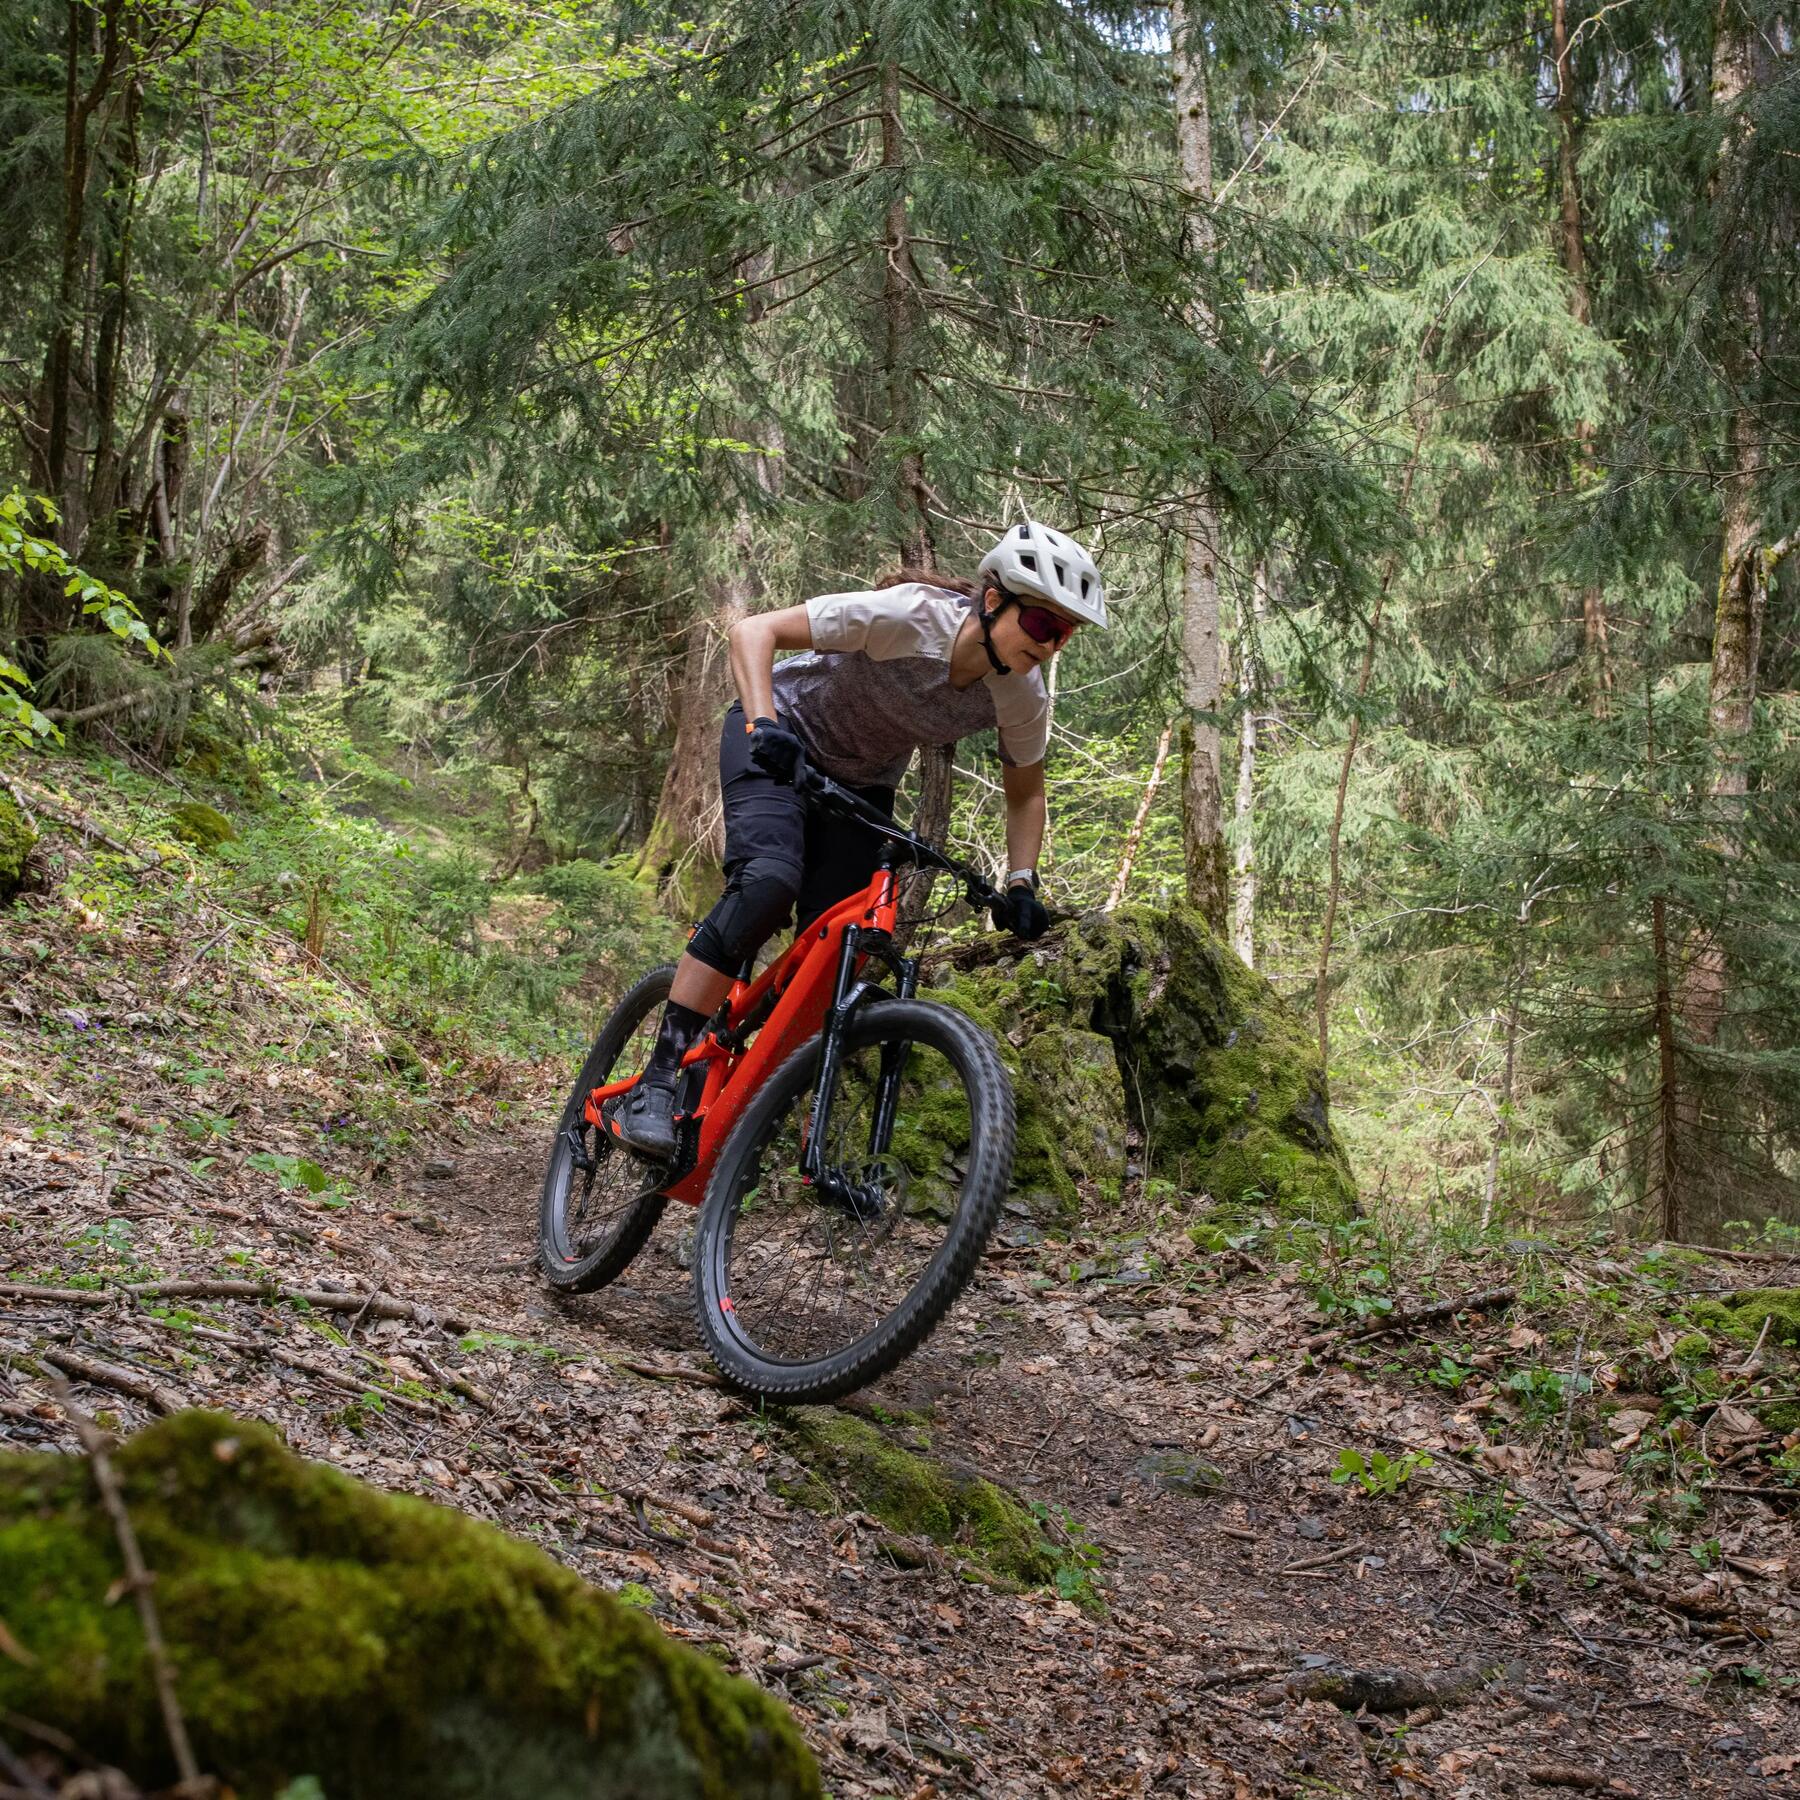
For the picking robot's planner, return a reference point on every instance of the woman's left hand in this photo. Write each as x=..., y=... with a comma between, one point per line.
x=1022, y=913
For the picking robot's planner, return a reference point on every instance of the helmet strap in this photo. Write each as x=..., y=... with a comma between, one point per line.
x=986, y=620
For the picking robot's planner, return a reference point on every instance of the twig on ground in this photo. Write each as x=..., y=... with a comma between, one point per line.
x=1487, y=1300
x=138, y=1575
x=674, y=1372
x=1322, y=1562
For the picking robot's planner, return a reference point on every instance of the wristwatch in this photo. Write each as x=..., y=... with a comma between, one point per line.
x=1022, y=878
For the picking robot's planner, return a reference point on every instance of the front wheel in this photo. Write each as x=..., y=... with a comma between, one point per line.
x=808, y=1290
x=599, y=1202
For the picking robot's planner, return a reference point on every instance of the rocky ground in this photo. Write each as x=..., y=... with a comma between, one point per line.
x=1567, y=1561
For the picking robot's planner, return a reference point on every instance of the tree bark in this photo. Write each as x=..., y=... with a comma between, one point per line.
x=1202, y=789
x=1243, y=902
x=1743, y=584
x=1596, y=660
x=900, y=317
x=79, y=105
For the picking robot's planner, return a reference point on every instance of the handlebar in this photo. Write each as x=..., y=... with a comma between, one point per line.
x=822, y=791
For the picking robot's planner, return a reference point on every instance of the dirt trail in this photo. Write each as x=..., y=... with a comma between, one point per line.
x=1232, y=1573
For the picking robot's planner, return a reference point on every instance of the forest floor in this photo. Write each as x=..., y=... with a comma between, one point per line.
x=1576, y=1568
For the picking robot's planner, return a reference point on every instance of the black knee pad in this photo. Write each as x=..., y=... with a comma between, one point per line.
x=755, y=904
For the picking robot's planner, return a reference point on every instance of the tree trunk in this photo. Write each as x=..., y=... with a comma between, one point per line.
x=79, y=105
x=1202, y=789
x=1596, y=661
x=899, y=311
x=1243, y=904
x=688, y=827
x=1744, y=566
x=1666, y=1135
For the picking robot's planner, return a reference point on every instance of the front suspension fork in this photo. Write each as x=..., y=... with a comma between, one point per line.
x=847, y=995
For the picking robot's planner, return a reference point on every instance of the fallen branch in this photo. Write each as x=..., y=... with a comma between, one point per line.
x=258, y=655
x=1322, y=1562
x=668, y=1372
x=105, y=1374
x=138, y=1576
x=375, y=1306
x=78, y=822
x=1487, y=1300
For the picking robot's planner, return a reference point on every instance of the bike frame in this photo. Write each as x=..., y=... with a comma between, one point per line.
x=814, y=986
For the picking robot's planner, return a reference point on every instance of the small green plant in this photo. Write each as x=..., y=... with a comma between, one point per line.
x=298, y=1172
x=1076, y=1556
x=1543, y=1394
x=1482, y=1518
x=1377, y=1472
x=1449, y=1373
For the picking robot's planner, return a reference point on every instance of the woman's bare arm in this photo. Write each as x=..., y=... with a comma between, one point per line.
x=754, y=641
x=1025, y=814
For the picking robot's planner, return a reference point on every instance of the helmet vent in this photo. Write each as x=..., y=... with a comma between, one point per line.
x=1062, y=575
x=1024, y=534
x=1028, y=562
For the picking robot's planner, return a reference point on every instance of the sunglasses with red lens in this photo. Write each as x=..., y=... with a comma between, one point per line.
x=1043, y=626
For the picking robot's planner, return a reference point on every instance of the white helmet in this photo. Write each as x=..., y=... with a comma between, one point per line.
x=1033, y=559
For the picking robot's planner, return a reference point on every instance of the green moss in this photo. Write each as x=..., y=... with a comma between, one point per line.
x=1743, y=1315
x=1695, y=1346
x=376, y=1642
x=16, y=840
x=850, y=1461
x=1145, y=1017
x=205, y=827
x=211, y=750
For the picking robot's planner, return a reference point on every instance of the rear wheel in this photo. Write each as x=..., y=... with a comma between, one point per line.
x=600, y=1203
x=806, y=1291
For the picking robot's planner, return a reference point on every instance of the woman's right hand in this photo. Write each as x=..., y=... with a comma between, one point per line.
x=775, y=750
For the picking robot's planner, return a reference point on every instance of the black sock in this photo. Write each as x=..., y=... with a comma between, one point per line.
x=674, y=1038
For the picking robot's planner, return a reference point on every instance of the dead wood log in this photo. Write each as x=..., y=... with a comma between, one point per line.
x=1385, y=1690
x=105, y=1374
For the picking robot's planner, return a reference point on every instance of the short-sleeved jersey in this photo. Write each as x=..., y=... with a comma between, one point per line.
x=876, y=687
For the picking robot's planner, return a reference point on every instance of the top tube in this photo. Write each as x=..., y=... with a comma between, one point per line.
x=821, y=790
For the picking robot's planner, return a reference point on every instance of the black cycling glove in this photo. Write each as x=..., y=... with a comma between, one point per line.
x=775, y=750
x=1022, y=913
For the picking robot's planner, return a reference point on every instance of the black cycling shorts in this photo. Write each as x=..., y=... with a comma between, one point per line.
x=778, y=852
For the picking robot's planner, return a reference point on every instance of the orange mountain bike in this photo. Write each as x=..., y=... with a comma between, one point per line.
x=848, y=1146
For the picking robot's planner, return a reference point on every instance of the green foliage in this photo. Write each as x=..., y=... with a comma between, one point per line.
x=27, y=555
x=1375, y=1472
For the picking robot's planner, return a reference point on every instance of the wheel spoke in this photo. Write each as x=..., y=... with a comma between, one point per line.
x=814, y=1268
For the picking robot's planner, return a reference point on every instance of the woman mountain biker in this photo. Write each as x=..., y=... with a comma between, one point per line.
x=922, y=659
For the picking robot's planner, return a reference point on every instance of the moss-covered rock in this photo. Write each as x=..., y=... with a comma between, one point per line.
x=16, y=840
x=850, y=1463
x=213, y=751
x=1146, y=1018
x=205, y=827
x=1743, y=1315
x=377, y=1643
